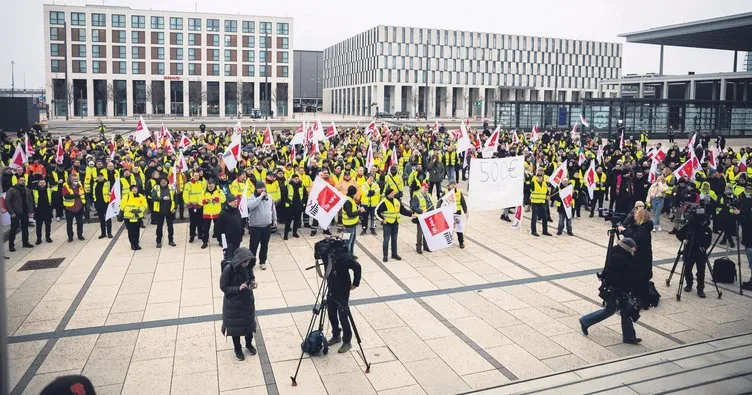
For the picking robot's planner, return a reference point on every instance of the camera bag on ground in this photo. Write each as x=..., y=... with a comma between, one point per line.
x=724, y=271
x=315, y=343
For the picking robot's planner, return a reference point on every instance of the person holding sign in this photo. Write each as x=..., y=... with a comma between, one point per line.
x=454, y=196
x=538, y=199
x=420, y=203
x=561, y=208
x=388, y=212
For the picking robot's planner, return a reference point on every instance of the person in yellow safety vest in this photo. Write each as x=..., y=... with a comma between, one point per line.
x=272, y=187
x=42, y=210
x=259, y=173
x=350, y=215
x=394, y=181
x=163, y=208
x=212, y=202
x=460, y=206
x=89, y=177
x=101, y=196
x=599, y=192
x=370, y=196
x=295, y=201
x=193, y=193
x=57, y=179
x=133, y=207
x=538, y=200
x=451, y=160
x=74, y=201
x=239, y=185
x=644, y=140
x=420, y=203
x=388, y=212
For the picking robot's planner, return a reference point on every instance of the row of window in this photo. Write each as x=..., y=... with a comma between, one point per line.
x=119, y=51
x=138, y=37
x=176, y=23
x=158, y=68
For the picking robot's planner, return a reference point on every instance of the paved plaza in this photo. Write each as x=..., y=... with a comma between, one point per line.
x=499, y=312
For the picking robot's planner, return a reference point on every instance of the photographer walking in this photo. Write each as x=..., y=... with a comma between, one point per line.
x=238, y=306
x=616, y=282
x=338, y=298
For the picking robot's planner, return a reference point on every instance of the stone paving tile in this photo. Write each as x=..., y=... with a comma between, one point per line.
x=154, y=374
x=436, y=377
x=533, y=341
x=462, y=359
x=518, y=361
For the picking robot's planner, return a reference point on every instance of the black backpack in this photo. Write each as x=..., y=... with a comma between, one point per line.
x=724, y=271
x=315, y=344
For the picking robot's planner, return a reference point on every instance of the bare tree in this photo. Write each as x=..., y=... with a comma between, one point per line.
x=148, y=95
x=110, y=94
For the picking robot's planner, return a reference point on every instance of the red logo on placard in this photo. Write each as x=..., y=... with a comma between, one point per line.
x=437, y=224
x=327, y=198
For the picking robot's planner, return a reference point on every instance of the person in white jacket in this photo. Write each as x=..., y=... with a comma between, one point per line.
x=656, y=197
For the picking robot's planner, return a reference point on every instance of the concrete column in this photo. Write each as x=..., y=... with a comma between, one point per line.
x=527, y=94
x=187, y=104
x=692, y=89
x=620, y=90
x=204, y=103
x=641, y=90
x=168, y=97
x=664, y=90
x=89, y=97
x=723, y=90
x=129, y=97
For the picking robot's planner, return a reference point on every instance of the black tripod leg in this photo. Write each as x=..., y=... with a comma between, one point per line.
x=739, y=258
x=676, y=262
x=321, y=303
x=357, y=337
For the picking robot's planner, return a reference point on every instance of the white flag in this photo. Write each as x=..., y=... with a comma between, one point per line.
x=558, y=174
x=566, y=199
x=437, y=227
x=230, y=156
x=243, y=205
x=517, y=222
x=142, y=132
x=324, y=202
x=113, y=207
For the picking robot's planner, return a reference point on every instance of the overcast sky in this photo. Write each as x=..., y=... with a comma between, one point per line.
x=321, y=23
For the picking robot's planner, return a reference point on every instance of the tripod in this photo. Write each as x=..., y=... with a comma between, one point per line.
x=681, y=253
x=319, y=315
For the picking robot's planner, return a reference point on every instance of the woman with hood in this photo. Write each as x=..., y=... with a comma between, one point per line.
x=238, y=305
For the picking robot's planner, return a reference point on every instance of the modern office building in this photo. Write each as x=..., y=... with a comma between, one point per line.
x=117, y=61
x=459, y=73
x=307, y=81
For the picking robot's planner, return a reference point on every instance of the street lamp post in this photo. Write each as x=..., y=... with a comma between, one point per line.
x=266, y=70
x=12, y=78
x=65, y=42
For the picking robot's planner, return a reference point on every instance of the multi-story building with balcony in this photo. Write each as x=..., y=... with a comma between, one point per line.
x=460, y=73
x=104, y=61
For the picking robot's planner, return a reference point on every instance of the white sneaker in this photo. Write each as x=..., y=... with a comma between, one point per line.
x=659, y=228
x=655, y=229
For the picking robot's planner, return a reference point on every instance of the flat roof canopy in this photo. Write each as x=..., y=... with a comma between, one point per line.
x=733, y=33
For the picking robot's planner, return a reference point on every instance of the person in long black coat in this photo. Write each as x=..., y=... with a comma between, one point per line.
x=230, y=223
x=638, y=226
x=238, y=306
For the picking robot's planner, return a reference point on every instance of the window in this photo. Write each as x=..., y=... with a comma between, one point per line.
x=118, y=67
x=81, y=51
x=158, y=38
x=192, y=53
x=249, y=27
x=57, y=17
x=192, y=38
x=99, y=20
x=284, y=71
x=137, y=37
x=212, y=55
x=157, y=22
x=264, y=43
x=79, y=66
x=160, y=68
x=118, y=52
x=138, y=21
x=228, y=40
x=176, y=23
x=118, y=20
x=78, y=34
x=192, y=69
x=177, y=39
x=262, y=56
x=55, y=34
x=98, y=51
x=178, y=69
x=78, y=19
x=138, y=68
x=56, y=66
x=285, y=43
x=95, y=67
x=228, y=70
x=231, y=26
x=228, y=55
x=265, y=28
x=249, y=56
x=250, y=70
x=212, y=40
x=178, y=54
x=137, y=52
x=212, y=69
x=194, y=24
x=121, y=36
x=283, y=28
x=95, y=36
x=285, y=57
x=160, y=53
x=56, y=49
x=212, y=25
x=249, y=41
x=263, y=72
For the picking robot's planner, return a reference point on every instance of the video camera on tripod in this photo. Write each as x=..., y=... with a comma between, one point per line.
x=615, y=217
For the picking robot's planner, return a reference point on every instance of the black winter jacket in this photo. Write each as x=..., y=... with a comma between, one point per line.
x=238, y=307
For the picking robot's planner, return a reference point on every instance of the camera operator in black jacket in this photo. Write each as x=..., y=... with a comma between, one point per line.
x=697, y=238
x=617, y=280
x=338, y=297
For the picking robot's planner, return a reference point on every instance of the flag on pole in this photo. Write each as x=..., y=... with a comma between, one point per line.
x=331, y=131
x=558, y=174
x=515, y=139
x=369, y=157
x=185, y=142
x=566, y=199
x=653, y=174
x=743, y=164
x=435, y=127
x=685, y=170
x=292, y=154
x=584, y=121
x=621, y=141
x=142, y=131
x=243, y=204
x=324, y=202
x=437, y=228
x=517, y=221
x=59, y=153
x=573, y=132
x=238, y=129
x=384, y=146
x=164, y=133
x=713, y=158
x=111, y=147
x=599, y=155
x=590, y=178
x=534, y=133
x=492, y=143
x=230, y=156
x=371, y=130
x=581, y=157
x=19, y=158
x=113, y=207
x=657, y=154
x=28, y=146
x=268, y=138
x=691, y=142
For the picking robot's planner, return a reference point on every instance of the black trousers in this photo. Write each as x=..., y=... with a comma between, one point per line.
x=390, y=233
x=338, y=310
x=292, y=222
x=431, y=185
x=260, y=238
x=180, y=205
x=205, y=226
x=236, y=341
x=79, y=216
x=194, y=216
x=539, y=213
x=160, y=220
x=19, y=221
x=420, y=241
x=134, y=232
x=57, y=203
x=47, y=222
x=105, y=227
x=368, y=218
x=612, y=199
x=87, y=209
x=597, y=197
x=698, y=260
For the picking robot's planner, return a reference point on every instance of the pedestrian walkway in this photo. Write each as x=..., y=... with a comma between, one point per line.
x=502, y=310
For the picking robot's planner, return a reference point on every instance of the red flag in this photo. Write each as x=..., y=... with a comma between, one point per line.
x=372, y=130
x=59, y=153
x=185, y=142
x=435, y=127
x=515, y=139
x=385, y=142
x=712, y=158
x=27, y=146
x=590, y=178
x=111, y=147
x=621, y=141
x=558, y=174
x=534, y=133
x=19, y=158
x=292, y=154
x=685, y=170
x=369, y=157
x=268, y=138
x=581, y=158
x=517, y=218
x=573, y=133
x=691, y=142
x=331, y=131
x=743, y=163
